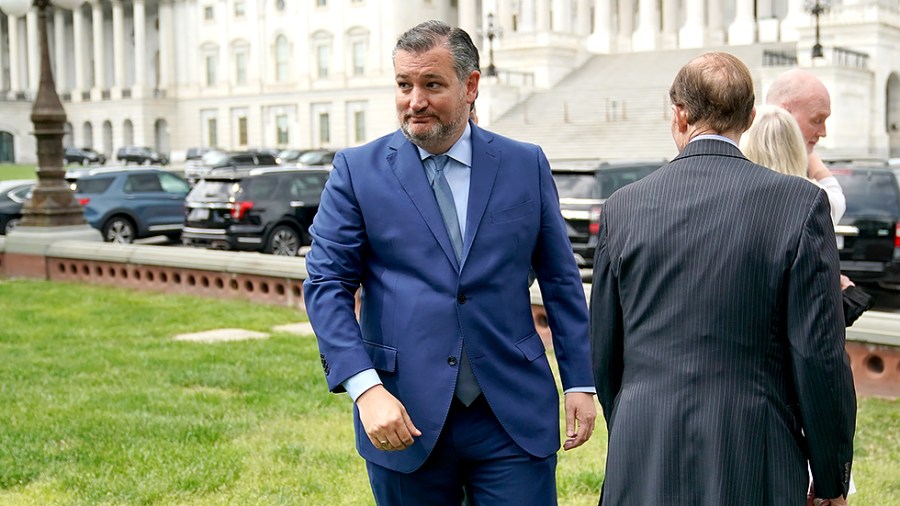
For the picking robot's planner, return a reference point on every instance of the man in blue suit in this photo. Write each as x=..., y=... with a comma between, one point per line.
x=439, y=223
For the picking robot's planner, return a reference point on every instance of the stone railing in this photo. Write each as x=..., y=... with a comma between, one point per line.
x=873, y=343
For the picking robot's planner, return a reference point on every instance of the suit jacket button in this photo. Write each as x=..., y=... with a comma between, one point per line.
x=461, y=299
x=451, y=360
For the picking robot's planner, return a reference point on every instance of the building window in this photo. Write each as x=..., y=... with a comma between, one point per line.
x=238, y=9
x=281, y=129
x=281, y=58
x=359, y=126
x=359, y=58
x=242, y=130
x=321, y=3
x=211, y=70
x=212, y=134
x=322, y=60
x=279, y=5
x=208, y=13
x=240, y=68
x=324, y=128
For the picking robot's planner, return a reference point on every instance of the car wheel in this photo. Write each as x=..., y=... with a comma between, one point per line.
x=283, y=241
x=11, y=225
x=119, y=230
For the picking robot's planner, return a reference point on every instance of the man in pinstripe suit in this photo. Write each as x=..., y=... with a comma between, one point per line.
x=716, y=321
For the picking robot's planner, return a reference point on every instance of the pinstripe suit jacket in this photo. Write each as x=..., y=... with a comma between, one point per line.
x=718, y=337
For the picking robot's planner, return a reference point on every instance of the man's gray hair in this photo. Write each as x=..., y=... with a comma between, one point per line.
x=430, y=34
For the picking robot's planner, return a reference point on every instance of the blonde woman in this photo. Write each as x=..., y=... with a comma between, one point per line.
x=774, y=140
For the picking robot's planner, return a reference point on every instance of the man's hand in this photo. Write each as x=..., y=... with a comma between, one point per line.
x=385, y=419
x=580, y=415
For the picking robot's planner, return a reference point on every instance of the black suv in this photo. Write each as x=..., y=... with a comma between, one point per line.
x=217, y=160
x=869, y=232
x=141, y=155
x=261, y=209
x=583, y=186
x=83, y=156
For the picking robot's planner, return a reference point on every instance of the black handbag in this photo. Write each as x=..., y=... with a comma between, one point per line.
x=856, y=302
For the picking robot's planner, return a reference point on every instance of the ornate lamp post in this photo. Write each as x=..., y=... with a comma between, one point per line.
x=491, y=32
x=52, y=202
x=817, y=8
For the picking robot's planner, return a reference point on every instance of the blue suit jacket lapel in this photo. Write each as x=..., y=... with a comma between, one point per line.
x=485, y=165
x=404, y=161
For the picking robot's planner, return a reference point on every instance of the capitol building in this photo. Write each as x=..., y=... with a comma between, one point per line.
x=582, y=78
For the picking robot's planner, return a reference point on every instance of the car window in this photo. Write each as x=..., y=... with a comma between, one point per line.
x=307, y=187
x=869, y=193
x=206, y=190
x=95, y=185
x=243, y=160
x=265, y=159
x=576, y=185
x=613, y=180
x=22, y=193
x=173, y=184
x=142, y=183
x=259, y=188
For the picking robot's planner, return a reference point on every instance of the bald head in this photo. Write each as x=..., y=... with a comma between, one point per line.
x=806, y=98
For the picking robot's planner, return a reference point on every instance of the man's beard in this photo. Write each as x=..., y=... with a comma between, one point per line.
x=435, y=136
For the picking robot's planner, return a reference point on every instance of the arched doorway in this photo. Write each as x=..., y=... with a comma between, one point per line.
x=7, y=148
x=892, y=114
x=161, y=129
x=87, y=139
x=107, y=139
x=127, y=133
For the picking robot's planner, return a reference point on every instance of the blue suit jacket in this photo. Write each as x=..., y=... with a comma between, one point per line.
x=379, y=227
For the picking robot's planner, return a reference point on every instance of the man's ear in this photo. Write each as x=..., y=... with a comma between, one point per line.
x=472, y=86
x=681, y=118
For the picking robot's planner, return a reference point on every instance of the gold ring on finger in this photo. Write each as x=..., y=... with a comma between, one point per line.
x=384, y=445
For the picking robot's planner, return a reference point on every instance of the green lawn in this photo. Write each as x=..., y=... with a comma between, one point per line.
x=8, y=171
x=98, y=405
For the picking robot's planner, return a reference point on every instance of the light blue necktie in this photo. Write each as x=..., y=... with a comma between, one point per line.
x=467, y=389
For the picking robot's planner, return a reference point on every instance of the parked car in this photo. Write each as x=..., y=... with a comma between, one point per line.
x=13, y=194
x=125, y=205
x=217, y=159
x=196, y=153
x=83, y=156
x=262, y=209
x=869, y=232
x=316, y=157
x=141, y=155
x=583, y=186
x=290, y=156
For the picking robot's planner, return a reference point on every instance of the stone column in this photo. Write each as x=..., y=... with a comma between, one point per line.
x=646, y=37
x=468, y=21
x=693, y=33
x=15, y=77
x=715, y=35
x=767, y=24
x=743, y=30
x=99, y=50
x=542, y=16
x=601, y=39
x=118, y=43
x=140, y=50
x=526, y=14
x=561, y=17
x=626, y=24
x=34, y=52
x=583, y=18
x=795, y=18
x=166, y=21
x=671, y=19
x=59, y=51
x=78, y=53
